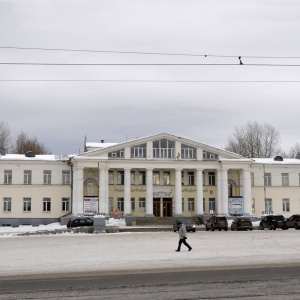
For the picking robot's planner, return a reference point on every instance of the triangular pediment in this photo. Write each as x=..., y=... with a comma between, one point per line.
x=108, y=149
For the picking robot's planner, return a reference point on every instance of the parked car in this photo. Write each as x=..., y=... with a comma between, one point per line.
x=293, y=222
x=79, y=222
x=241, y=224
x=272, y=222
x=216, y=222
x=188, y=225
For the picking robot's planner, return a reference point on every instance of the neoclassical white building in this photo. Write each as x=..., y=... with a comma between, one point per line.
x=162, y=175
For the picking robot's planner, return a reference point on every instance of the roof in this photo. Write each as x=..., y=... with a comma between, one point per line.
x=44, y=157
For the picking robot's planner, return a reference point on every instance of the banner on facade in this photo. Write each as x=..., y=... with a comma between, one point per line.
x=236, y=205
x=90, y=205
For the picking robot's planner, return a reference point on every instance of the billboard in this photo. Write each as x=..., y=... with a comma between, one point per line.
x=90, y=205
x=236, y=205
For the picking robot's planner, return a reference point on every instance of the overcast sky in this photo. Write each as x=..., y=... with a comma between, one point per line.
x=157, y=98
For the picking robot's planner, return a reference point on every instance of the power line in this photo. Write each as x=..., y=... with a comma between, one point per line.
x=144, y=64
x=146, y=53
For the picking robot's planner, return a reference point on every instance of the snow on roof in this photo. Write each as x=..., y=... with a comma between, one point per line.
x=270, y=161
x=99, y=145
x=35, y=158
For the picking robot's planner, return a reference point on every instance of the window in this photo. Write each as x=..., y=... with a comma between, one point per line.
x=163, y=149
x=191, y=178
x=132, y=204
x=210, y=156
x=27, y=176
x=46, y=204
x=268, y=179
x=121, y=204
x=285, y=179
x=111, y=177
x=142, y=177
x=65, y=204
x=116, y=154
x=6, y=204
x=111, y=204
x=66, y=177
x=120, y=177
x=182, y=204
x=155, y=178
x=253, y=205
x=26, y=204
x=212, y=204
x=252, y=179
x=268, y=206
x=142, y=204
x=286, y=205
x=188, y=152
x=47, y=177
x=166, y=178
x=132, y=177
x=191, y=204
x=139, y=151
x=203, y=204
x=211, y=178
x=7, y=176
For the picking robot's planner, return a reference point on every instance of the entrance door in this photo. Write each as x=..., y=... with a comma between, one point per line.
x=156, y=207
x=167, y=207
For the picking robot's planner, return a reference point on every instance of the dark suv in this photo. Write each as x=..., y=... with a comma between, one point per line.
x=272, y=222
x=216, y=222
x=293, y=222
x=80, y=222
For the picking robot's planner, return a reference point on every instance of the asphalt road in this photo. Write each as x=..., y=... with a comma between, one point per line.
x=251, y=283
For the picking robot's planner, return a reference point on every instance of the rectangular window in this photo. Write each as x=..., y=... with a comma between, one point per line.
x=188, y=152
x=26, y=204
x=156, y=178
x=212, y=205
x=142, y=177
x=191, y=178
x=132, y=177
x=211, y=178
x=268, y=179
x=252, y=179
x=27, y=176
x=191, y=204
x=7, y=176
x=285, y=179
x=121, y=204
x=111, y=204
x=120, y=177
x=46, y=204
x=203, y=204
x=139, y=151
x=65, y=204
x=166, y=178
x=111, y=177
x=182, y=204
x=285, y=205
x=6, y=204
x=253, y=205
x=47, y=177
x=142, y=204
x=132, y=204
x=268, y=206
x=66, y=177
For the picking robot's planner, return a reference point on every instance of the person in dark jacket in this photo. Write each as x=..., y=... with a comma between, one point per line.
x=182, y=237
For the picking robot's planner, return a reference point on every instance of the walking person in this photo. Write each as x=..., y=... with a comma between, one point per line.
x=182, y=237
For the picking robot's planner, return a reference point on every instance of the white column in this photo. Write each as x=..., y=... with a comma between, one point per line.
x=178, y=193
x=106, y=192
x=103, y=190
x=199, y=186
x=247, y=192
x=127, y=191
x=149, y=192
x=77, y=197
x=224, y=191
x=219, y=192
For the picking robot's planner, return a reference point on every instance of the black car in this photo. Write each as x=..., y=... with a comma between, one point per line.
x=216, y=222
x=293, y=222
x=272, y=222
x=188, y=225
x=80, y=222
x=241, y=224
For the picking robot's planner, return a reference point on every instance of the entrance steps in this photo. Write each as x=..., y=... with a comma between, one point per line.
x=154, y=221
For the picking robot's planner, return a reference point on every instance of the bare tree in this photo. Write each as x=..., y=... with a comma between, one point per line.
x=254, y=140
x=4, y=135
x=25, y=144
x=295, y=151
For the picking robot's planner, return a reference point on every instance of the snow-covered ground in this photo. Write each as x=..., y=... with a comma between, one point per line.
x=135, y=251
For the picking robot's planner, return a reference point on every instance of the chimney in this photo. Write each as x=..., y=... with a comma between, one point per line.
x=102, y=141
x=2, y=151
